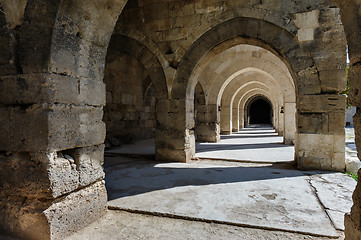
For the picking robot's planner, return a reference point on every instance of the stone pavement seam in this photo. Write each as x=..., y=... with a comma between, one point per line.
x=187, y=218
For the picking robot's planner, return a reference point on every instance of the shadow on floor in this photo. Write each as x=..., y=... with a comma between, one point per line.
x=137, y=177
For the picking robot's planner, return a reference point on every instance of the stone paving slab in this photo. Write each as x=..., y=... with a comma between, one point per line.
x=124, y=225
x=263, y=197
x=334, y=190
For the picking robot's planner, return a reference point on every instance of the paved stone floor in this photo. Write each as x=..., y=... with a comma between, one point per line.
x=217, y=199
x=264, y=196
x=257, y=195
x=264, y=144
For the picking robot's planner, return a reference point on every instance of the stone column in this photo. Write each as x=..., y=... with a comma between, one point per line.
x=320, y=140
x=275, y=118
x=51, y=155
x=235, y=120
x=241, y=118
x=352, y=26
x=174, y=138
x=226, y=120
x=280, y=122
x=208, y=123
x=289, y=123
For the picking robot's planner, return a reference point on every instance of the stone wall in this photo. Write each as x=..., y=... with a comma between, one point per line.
x=52, y=58
x=351, y=18
x=52, y=94
x=130, y=109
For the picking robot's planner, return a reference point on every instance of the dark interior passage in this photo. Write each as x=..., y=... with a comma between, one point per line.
x=260, y=112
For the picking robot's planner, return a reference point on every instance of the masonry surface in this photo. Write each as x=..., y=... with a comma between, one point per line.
x=76, y=77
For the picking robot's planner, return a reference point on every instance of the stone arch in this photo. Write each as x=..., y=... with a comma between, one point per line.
x=121, y=43
x=256, y=71
x=284, y=112
x=249, y=94
x=301, y=65
x=134, y=81
x=248, y=91
x=9, y=29
x=238, y=85
x=147, y=42
x=272, y=16
x=280, y=42
x=216, y=77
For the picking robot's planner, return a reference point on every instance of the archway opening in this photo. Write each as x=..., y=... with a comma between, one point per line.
x=129, y=113
x=250, y=104
x=259, y=112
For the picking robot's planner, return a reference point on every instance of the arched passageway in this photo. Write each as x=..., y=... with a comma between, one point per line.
x=259, y=112
x=52, y=94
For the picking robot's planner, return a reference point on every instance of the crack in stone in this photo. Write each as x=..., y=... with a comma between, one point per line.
x=315, y=192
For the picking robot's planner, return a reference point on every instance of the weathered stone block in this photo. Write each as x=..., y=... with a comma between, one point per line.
x=75, y=126
x=208, y=132
x=50, y=88
x=207, y=113
x=352, y=228
x=321, y=103
x=77, y=56
x=308, y=81
x=316, y=151
x=313, y=123
x=38, y=88
x=35, y=49
x=355, y=88
x=330, y=60
x=7, y=63
x=353, y=220
x=23, y=177
x=52, y=127
x=171, y=139
x=43, y=219
x=170, y=149
x=53, y=174
x=92, y=92
x=89, y=163
x=337, y=122
x=76, y=210
x=27, y=128
x=333, y=80
x=307, y=22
